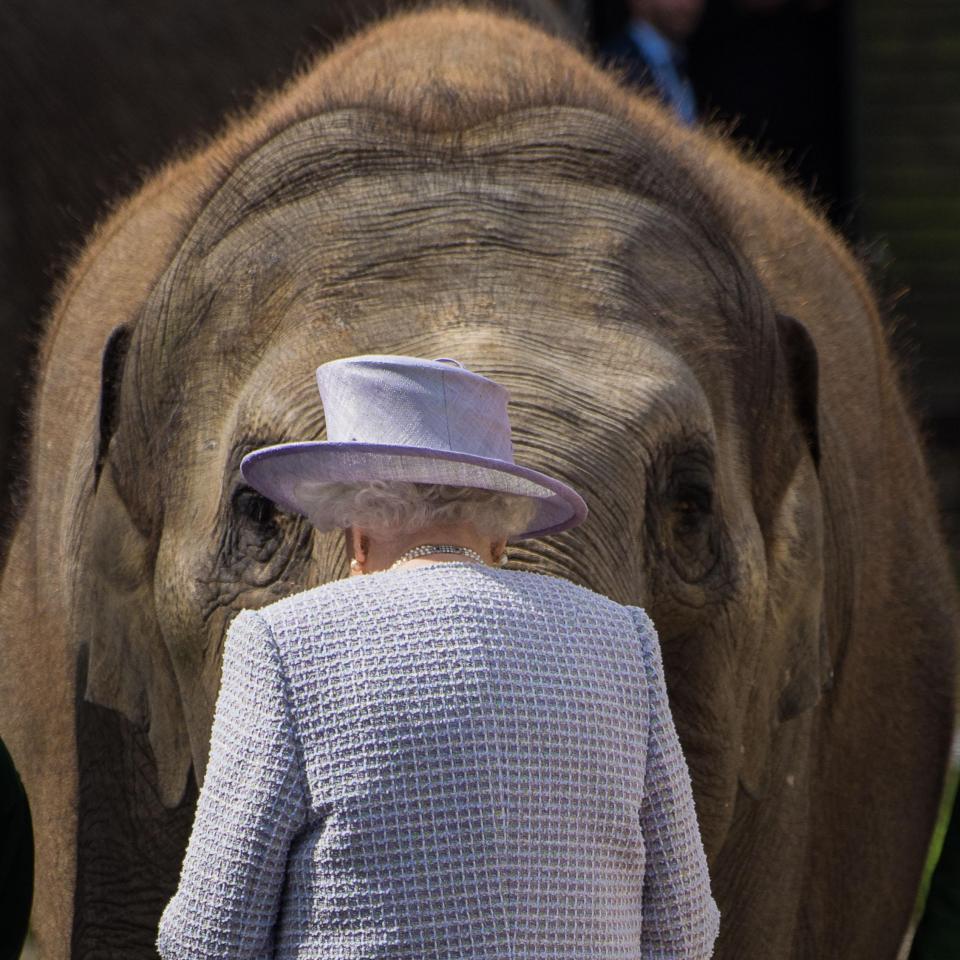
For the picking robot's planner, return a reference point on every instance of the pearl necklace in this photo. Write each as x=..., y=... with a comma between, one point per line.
x=428, y=548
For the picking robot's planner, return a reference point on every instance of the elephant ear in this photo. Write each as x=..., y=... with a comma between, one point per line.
x=111, y=374
x=794, y=667
x=129, y=668
x=800, y=354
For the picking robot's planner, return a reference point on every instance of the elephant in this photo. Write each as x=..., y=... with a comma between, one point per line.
x=684, y=341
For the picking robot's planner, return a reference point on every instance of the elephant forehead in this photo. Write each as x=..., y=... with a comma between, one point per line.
x=370, y=247
x=512, y=240
x=547, y=200
x=359, y=263
x=570, y=335
x=316, y=156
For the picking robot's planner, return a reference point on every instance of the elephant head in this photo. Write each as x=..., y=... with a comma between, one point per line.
x=552, y=246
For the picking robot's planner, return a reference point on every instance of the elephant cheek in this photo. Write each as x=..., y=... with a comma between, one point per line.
x=193, y=635
x=794, y=668
x=128, y=666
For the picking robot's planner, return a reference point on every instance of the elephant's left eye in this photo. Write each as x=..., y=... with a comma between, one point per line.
x=253, y=507
x=692, y=504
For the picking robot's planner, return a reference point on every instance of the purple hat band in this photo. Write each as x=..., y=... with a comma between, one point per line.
x=407, y=419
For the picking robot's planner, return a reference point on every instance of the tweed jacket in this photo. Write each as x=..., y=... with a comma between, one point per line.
x=449, y=761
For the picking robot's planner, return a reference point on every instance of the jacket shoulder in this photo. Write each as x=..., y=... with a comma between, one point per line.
x=327, y=597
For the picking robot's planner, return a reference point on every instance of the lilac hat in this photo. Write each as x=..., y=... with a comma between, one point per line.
x=422, y=421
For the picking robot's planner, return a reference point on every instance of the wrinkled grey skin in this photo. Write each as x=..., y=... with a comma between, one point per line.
x=682, y=342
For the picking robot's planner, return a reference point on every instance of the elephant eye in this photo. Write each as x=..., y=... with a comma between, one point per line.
x=260, y=542
x=692, y=505
x=253, y=507
x=685, y=540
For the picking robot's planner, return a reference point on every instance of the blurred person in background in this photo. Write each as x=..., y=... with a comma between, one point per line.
x=651, y=48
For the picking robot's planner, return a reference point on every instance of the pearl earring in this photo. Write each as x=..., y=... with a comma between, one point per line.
x=504, y=559
x=355, y=564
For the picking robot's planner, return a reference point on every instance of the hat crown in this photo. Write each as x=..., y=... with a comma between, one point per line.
x=403, y=419
x=407, y=401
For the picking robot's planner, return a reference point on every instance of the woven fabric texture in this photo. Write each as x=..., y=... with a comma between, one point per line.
x=448, y=761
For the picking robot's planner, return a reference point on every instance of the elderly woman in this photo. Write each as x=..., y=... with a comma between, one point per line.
x=437, y=756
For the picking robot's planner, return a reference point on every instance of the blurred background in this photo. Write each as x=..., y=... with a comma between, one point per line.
x=858, y=101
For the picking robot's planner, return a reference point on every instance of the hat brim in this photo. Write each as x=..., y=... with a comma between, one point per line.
x=285, y=473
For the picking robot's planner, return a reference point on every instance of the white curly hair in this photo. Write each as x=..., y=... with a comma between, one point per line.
x=399, y=508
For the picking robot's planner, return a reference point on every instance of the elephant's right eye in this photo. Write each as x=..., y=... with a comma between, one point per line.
x=252, y=507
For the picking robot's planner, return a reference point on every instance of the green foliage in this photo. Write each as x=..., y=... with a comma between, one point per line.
x=936, y=842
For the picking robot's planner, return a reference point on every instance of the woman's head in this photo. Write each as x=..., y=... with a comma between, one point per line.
x=382, y=518
x=413, y=445
x=395, y=509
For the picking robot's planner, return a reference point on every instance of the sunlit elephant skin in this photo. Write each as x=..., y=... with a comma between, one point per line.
x=683, y=341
